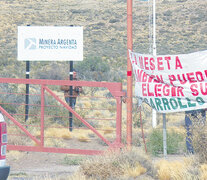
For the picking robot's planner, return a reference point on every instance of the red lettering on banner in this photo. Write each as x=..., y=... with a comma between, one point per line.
x=160, y=64
x=173, y=91
x=148, y=91
x=158, y=90
x=152, y=64
x=146, y=63
x=172, y=78
x=144, y=77
x=203, y=88
x=138, y=74
x=166, y=90
x=178, y=63
x=182, y=81
x=201, y=76
x=191, y=77
x=144, y=90
x=159, y=79
x=194, y=90
x=180, y=91
x=168, y=63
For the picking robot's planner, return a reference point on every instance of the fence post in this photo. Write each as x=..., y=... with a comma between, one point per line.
x=129, y=74
x=118, y=119
x=164, y=136
x=71, y=98
x=42, y=113
x=27, y=92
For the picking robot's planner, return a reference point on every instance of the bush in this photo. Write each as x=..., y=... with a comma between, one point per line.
x=155, y=142
x=52, y=71
x=92, y=68
x=116, y=165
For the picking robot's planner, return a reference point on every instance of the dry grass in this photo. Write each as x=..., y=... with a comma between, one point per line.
x=169, y=170
x=185, y=169
x=134, y=171
x=203, y=172
x=109, y=130
x=58, y=133
x=51, y=142
x=118, y=164
x=82, y=138
x=54, y=137
x=80, y=132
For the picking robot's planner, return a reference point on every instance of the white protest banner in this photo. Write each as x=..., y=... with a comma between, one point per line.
x=50, y=43
x=171, y=83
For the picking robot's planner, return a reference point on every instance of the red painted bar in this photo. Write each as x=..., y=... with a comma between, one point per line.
x=53, y=150
x=113, y=85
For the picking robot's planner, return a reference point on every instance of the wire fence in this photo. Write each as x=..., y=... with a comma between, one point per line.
x=96, y=106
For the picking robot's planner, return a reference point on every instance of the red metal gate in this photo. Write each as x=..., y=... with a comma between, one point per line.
x=11, y=102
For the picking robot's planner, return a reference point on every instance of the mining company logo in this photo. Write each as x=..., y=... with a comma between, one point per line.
x=30, y=43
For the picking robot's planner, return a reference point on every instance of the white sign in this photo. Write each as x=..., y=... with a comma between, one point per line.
x=171, y=83
x=48, y=43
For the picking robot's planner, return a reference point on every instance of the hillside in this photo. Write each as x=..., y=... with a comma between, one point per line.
x=181, y=28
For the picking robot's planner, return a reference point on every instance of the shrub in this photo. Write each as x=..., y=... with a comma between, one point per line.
x=93, y=68
x=114, y=165
x=155, y=142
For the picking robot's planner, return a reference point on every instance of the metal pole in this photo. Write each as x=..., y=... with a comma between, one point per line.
x=154, y=114
x=164, y=136
x=129, y=74
x=70, y=98
x=27, y=91
x=154, y=29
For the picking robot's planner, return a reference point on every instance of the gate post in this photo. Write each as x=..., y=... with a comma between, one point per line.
x=129, y=74
x=118, y=119
x=42, y=113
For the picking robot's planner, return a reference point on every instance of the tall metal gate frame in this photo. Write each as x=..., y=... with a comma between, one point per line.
x=114, y=88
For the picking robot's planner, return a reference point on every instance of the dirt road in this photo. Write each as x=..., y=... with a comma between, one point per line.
x=35, y=165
